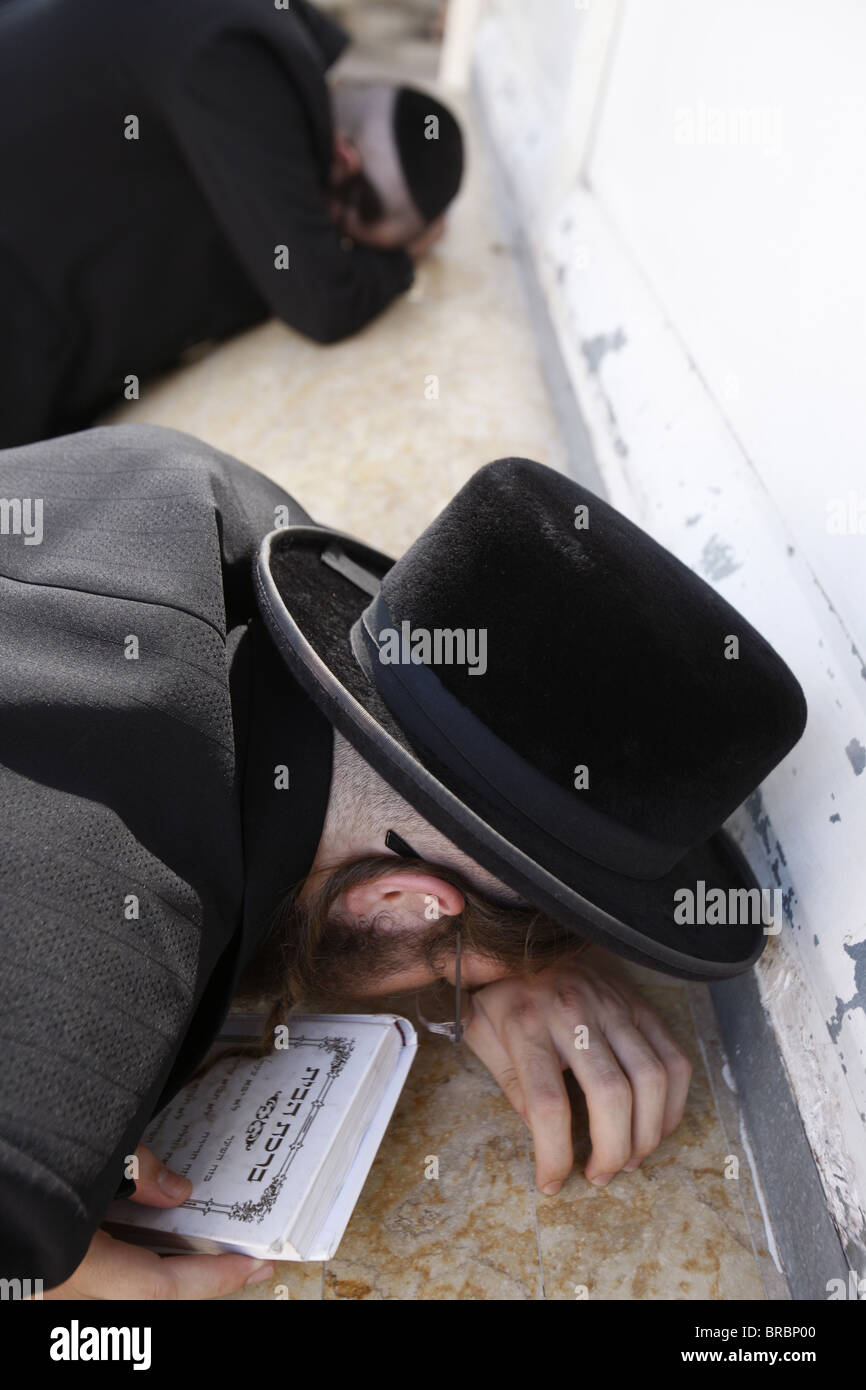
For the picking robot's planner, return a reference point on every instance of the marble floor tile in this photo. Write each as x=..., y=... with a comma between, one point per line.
x=450, y=1209
x=674, y=1229
x=468, y=1233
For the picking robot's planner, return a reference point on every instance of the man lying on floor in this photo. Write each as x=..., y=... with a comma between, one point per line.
x=274, y=739
x=172, y=173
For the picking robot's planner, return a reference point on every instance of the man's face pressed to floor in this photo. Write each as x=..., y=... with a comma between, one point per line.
x=375, y=927
x=392, y=935
x=360, y=210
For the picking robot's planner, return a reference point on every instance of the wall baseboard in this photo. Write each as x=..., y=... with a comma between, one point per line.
x=806, y=1237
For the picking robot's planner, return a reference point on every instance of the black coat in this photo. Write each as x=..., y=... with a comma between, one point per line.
x=145, y=842
x=117, y=254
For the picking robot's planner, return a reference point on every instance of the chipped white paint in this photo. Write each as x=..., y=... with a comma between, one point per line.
x=702, y=265
x=828, y=1109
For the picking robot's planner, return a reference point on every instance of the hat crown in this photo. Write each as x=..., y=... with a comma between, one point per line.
x=609, y=667
x=430, y=146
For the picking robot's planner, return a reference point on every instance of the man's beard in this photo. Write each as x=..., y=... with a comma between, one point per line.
x=355, y=959
x=329, y=957
x=320, y=957
x=317, y=958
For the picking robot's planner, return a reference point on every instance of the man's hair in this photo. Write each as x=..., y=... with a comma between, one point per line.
x=520, y=938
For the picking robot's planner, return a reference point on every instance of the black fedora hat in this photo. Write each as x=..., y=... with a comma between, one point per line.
x=561, y=697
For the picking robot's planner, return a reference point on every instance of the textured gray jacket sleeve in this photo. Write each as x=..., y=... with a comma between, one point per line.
x=121, y=877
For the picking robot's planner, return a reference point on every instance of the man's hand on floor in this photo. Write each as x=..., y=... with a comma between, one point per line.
x=634, y=1076
x=112, y=1269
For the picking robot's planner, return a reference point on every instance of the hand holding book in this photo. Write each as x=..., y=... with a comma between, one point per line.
x=113, y=1269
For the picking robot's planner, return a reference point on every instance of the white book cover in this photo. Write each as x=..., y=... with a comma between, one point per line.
x=277, y=1148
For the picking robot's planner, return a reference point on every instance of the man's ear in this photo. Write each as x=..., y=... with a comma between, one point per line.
x=404, y=894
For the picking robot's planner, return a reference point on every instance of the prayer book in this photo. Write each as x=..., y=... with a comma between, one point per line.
x=277, y=1148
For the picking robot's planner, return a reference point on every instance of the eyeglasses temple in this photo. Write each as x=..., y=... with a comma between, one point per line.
x=458, y=1027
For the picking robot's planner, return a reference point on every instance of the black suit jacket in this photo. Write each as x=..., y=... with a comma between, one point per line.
x=145, y=842
x=116, y=254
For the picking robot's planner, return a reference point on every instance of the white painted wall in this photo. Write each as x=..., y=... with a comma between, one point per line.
x=689, y=176
x=730, y=159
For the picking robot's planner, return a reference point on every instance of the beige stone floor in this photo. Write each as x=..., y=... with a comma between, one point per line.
x=350, y=430
x=677, y=1228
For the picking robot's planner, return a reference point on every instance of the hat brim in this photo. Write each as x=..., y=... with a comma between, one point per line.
x=310, y=609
